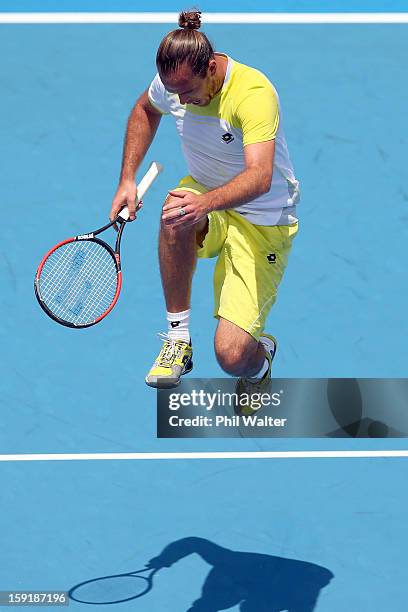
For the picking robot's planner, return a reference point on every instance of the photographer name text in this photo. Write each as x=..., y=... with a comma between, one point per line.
x=225, y=421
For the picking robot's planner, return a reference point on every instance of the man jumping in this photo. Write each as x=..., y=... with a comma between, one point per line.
x=238, y=202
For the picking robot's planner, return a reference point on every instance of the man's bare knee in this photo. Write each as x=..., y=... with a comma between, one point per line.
x=175, y=233
x=234, y=358
x=232, y=361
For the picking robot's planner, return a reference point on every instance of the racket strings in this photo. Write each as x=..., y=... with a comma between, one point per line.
x=78, y=281
x=62, y=278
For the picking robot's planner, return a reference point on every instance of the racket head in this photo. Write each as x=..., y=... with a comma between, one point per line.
x=78, y=281
x=112, y=589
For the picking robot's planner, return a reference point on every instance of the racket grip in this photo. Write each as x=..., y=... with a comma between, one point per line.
x=150, y=176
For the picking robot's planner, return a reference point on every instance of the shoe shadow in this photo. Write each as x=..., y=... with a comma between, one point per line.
x=256, y=582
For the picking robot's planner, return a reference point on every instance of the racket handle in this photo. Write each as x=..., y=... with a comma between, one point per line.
x=152, y=173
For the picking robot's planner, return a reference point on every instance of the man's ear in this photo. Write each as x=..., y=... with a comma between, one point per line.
x=212, y=67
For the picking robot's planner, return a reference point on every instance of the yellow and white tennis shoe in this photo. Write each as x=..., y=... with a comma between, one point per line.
x=174, y=360
x=248, y=387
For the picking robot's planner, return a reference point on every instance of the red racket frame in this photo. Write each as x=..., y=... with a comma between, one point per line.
x=115, y=254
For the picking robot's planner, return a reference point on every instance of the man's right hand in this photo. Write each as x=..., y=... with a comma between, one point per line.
x=126, y=195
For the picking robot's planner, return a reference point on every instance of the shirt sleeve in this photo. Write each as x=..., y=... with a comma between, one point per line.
x=258, y=113
x=158, y=96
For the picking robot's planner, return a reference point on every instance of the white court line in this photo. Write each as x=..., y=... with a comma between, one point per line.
x=229, y=18
x=206, y=455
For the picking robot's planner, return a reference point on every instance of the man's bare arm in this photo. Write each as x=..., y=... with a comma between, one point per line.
x=141, y=129
x=249, y=184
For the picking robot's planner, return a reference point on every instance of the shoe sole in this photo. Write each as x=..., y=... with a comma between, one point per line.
x=163, y=384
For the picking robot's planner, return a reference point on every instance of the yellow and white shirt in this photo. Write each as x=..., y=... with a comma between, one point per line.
x=245, y=111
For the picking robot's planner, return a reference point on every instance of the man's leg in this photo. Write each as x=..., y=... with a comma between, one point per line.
x=246, y=278
x=177, y=255
x=237, y=352
x=241, y=355
x=245, y=289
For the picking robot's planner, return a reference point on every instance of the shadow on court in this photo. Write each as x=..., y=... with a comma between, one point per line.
x=256, y=582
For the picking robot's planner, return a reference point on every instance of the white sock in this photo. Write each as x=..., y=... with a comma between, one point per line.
x=261, y=372
x=178, y=323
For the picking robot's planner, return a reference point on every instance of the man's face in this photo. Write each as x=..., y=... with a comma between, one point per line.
x=190, y=88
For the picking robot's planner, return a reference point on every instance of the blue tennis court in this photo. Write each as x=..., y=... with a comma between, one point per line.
x=67, y=90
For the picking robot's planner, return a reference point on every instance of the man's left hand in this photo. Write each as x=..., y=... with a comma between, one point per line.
x=194, y=206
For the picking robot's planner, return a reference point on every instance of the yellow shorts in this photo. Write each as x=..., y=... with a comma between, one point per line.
x=251, y=262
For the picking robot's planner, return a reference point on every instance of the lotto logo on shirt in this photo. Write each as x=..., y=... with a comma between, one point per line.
x=227, y=137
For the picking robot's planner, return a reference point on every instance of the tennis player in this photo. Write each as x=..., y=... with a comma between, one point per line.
x=238, y=202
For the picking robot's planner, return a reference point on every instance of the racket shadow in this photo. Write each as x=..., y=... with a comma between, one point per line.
x=113, y=589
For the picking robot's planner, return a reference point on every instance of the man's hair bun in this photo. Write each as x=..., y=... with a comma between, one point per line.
x=185, y=45
x=190, y=20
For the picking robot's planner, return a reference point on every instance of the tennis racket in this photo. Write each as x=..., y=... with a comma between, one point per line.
x=78, y=281
x=113, y=589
